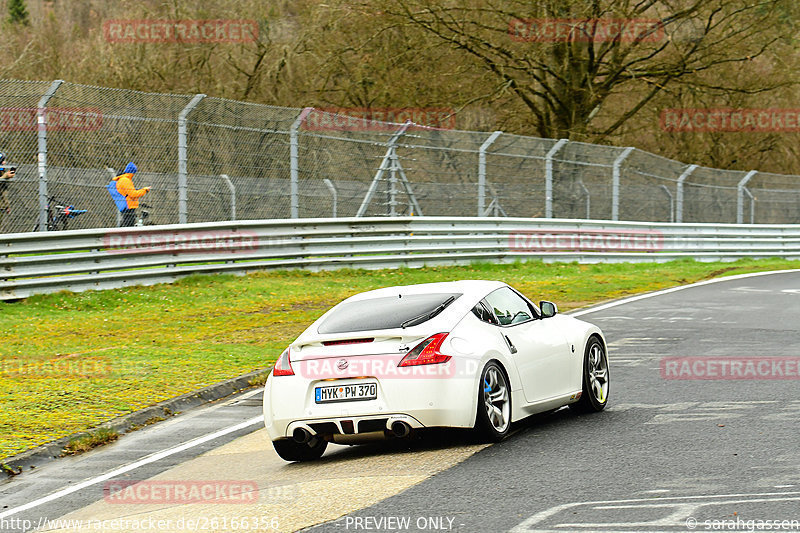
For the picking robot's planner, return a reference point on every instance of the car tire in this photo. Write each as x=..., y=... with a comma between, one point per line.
x=493, y=419
x=291, y=450
x=594, y=395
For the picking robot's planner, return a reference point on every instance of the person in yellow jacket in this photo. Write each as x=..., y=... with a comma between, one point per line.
x=7, y=173
x=126, y=188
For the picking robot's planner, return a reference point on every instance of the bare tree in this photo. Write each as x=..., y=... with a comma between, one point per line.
x=569, y=61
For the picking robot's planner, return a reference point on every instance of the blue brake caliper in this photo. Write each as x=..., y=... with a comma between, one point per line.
x=487, y=388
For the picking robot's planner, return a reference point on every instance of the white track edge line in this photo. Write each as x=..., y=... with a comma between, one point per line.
x=638, y=297
x=132, y=466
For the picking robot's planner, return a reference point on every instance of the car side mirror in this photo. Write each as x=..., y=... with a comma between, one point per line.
x=548, y=309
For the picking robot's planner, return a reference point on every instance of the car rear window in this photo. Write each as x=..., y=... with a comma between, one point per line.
x=386, y=313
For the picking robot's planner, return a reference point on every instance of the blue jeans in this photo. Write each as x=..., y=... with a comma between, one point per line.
x=128, y=218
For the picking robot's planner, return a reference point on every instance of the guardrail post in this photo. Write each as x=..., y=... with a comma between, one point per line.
x=294, y=163
x=182, y=157
x=482, y=172
x=334, y=194
x=41, y=119
x=233, y=194
x=548, y=177
x=740, y=190
x=615, y=182
x=679, y=203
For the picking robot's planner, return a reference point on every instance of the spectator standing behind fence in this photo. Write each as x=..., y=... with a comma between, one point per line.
x=6, y=173
x=126, y=188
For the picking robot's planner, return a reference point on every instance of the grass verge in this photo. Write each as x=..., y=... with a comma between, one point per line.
x=68, y=361
x=93, y=439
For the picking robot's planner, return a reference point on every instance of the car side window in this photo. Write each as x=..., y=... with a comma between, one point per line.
x=483, y=313
x=509, y=307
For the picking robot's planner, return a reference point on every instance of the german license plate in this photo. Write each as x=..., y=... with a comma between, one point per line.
x=346, y=393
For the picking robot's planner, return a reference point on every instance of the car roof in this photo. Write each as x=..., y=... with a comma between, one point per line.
x=472, y=292
x=476, y=288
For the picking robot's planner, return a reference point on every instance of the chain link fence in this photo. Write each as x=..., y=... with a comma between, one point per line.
x=209, y=159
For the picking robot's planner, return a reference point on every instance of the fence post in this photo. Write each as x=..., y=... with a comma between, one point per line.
x=182, y=158
x=615, y=183
x=388, y=163
x=548, y=177
x=233, y=194
x=752, y=205
x=681, y=179
x=588, y=197
x=740, y=190
x=41, y=119
x=671, y=202
x=334, y=195
x=391, y=193
x=482, y=172
x=117, y=211
x=294, y=163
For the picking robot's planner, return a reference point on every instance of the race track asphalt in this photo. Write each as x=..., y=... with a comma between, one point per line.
x=680, y=446
x=666, y=455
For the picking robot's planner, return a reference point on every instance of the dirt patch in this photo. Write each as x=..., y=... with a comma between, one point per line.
x=719, y=272
x=263, y=311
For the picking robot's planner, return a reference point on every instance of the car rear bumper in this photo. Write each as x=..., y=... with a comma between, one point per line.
x=289, y=403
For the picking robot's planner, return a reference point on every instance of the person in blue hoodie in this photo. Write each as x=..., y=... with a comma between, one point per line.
x=126, y=188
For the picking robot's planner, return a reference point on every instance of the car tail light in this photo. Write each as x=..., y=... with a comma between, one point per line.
x=283, y=366
x=427, y=352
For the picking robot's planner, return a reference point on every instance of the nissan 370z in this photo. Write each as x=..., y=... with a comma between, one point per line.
x=466, y=354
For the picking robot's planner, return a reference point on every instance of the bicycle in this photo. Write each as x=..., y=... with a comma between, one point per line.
x=59, y=215
x=143, y=214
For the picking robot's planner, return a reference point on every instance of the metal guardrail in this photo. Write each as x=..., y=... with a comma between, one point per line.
x=32, y=263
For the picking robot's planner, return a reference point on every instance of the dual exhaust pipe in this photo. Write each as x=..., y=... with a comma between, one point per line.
x=398, y=428
x=301, y=435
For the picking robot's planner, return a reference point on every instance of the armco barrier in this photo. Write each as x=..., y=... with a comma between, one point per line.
x=79, y=260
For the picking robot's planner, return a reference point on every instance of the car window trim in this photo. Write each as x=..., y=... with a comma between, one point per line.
x=536, y=311
x=486, y=309
x=533, y=308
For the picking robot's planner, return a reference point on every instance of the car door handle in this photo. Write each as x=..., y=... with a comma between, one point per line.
x=511, y=346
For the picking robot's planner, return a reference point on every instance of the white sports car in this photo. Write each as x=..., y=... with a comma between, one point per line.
x=474, y=354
